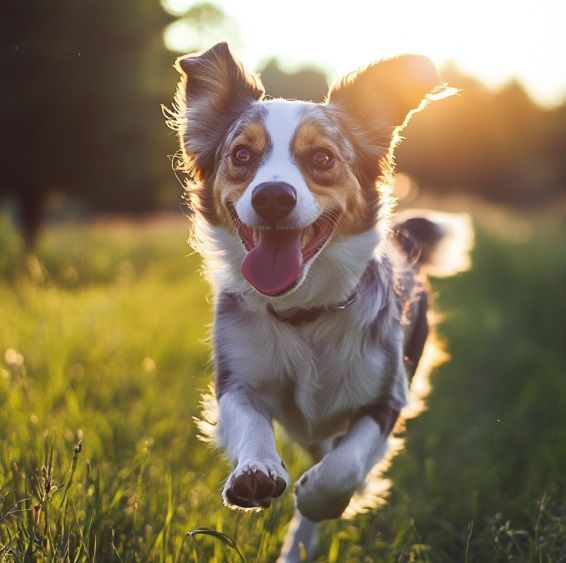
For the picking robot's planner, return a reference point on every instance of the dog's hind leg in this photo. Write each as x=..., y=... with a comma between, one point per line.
x=301, y=536
x=300, y=540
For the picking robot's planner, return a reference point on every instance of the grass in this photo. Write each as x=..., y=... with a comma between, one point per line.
x=104, y=355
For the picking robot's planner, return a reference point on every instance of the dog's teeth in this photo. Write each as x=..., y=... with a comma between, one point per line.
x=306, y=236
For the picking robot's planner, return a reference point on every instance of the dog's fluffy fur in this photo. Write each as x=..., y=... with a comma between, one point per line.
x=336, y=260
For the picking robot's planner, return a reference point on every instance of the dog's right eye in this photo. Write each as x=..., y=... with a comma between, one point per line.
x=241, y=156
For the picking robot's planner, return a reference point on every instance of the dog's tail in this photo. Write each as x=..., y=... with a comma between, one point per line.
x=440, y=243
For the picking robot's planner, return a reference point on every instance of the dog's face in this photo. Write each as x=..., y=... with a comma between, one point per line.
x=291, y=178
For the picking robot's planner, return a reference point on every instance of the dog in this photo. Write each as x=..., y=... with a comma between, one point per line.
x=321, y=300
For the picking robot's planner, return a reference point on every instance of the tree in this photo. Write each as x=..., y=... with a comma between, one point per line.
x=304, y=84
x=82, y=84
x=496, y=144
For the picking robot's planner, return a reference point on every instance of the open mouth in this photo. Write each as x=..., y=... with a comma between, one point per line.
x=275, y=256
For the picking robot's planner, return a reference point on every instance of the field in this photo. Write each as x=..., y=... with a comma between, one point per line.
x=104, y=354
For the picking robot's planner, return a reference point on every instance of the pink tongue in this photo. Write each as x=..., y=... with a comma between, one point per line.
x=275, y=263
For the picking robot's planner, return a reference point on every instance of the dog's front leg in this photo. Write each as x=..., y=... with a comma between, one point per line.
x=325, y=490
x=246, y=433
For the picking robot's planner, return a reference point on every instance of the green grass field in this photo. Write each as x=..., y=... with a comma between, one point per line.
x=103, y=343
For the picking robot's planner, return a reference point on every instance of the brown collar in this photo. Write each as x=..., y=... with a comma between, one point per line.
x=304, y=316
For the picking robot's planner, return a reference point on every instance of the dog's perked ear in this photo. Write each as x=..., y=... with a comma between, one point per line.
x=213, y=92
x=379, y=100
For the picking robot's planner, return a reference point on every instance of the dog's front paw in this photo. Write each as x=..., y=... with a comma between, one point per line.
x=324, y=491
x=255, y=484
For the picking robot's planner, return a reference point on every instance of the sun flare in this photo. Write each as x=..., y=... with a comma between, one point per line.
x=495, y=41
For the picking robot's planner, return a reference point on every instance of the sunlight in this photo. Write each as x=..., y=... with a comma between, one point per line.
x=494, y=41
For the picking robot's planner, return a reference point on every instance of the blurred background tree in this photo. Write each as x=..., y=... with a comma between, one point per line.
x=306, y=83
x=198, y=26
x=498, y=145
x=82, y=87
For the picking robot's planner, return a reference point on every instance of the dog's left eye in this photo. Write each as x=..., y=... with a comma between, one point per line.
x=241, y=156
x=322, y=159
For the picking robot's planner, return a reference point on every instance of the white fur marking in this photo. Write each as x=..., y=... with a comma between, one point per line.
x=282, y=120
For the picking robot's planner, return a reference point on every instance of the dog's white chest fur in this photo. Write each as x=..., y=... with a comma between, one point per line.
x=313, y=378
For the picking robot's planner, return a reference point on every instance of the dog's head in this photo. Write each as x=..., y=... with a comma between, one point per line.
x=288, y=178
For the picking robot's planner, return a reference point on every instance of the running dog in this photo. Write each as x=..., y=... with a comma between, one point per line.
x=320, y=294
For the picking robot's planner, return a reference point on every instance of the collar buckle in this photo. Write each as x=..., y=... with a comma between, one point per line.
x=347, y=303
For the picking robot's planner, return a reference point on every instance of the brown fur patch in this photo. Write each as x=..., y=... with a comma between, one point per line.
x=214, y=90
x=253, y=136
x=336, y=189
x=232, y=180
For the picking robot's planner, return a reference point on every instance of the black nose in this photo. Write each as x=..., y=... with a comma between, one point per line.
x=274, y=200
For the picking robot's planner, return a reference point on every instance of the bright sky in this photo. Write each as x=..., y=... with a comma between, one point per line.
x=495, y=40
